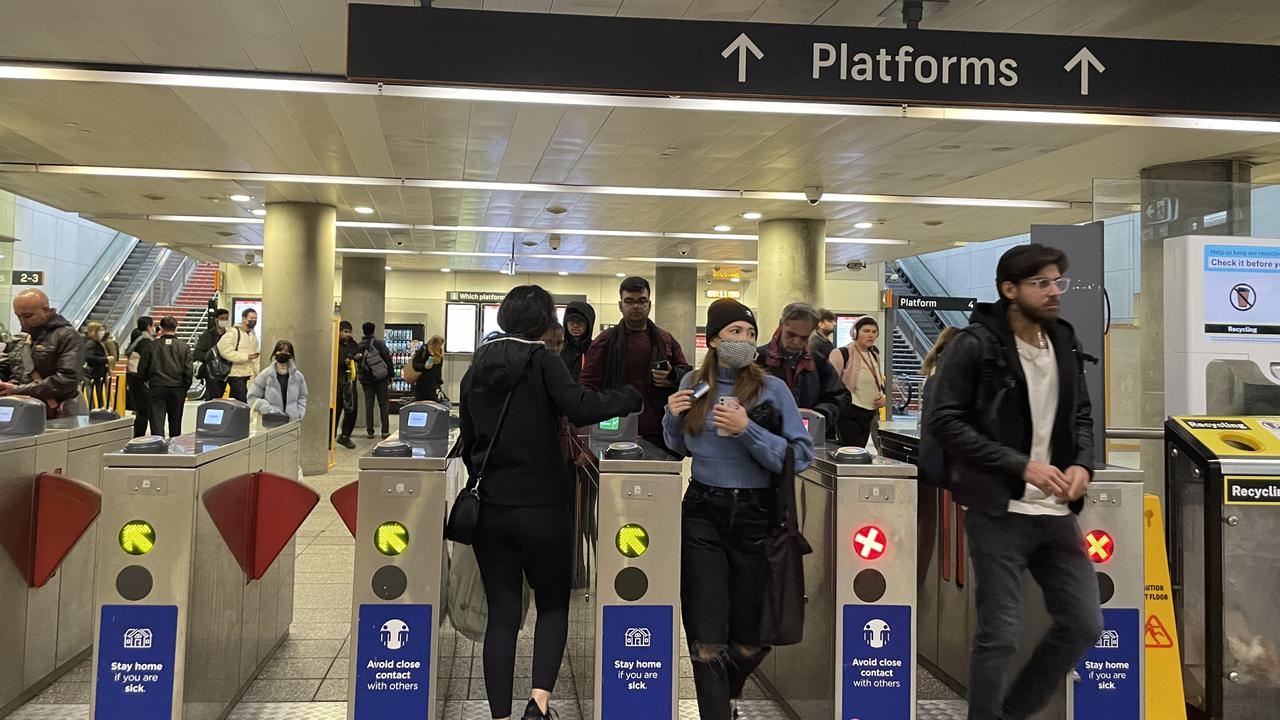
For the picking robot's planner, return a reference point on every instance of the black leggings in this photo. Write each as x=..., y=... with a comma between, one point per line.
x=512, y=543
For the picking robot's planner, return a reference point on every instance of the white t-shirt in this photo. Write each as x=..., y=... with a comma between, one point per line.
x=1040, y=365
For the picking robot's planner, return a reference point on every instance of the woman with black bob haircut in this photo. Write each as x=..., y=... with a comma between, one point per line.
x=526, y=522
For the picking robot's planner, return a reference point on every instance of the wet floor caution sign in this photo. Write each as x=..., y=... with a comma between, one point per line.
x=1164, y=690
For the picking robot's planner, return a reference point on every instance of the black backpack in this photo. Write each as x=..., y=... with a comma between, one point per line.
x=216, y=367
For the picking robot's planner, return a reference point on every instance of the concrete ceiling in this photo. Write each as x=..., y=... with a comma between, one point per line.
x=108, y=124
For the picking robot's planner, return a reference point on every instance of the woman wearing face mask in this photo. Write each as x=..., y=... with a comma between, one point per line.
x=281, y=387
x=859, y=368
x=97, y=367
x=729, y=507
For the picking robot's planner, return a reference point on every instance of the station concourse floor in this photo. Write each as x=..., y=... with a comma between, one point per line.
x=307, y=677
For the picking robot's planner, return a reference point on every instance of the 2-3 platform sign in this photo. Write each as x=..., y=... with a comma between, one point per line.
x=33, y=278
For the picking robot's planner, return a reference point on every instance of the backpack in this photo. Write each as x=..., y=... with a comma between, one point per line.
x=373, y=367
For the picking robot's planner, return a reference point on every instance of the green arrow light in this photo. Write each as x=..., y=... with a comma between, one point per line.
x=632, y=540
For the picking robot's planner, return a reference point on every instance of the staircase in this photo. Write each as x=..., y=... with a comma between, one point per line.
x=191, y=306
x=905, y=359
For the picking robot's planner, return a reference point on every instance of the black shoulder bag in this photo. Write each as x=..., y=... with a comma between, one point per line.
x=464, y=516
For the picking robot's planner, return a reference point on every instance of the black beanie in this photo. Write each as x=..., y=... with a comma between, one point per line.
x=725, y=312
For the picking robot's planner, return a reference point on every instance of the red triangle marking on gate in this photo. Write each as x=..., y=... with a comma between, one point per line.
x=257, y=514
x=345, y=501
x=64, y=509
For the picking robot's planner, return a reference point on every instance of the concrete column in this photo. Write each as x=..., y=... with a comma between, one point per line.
x=793, y=267
x=297, y=296
x=1196, y=189
x=676, y=311
x=364, y=292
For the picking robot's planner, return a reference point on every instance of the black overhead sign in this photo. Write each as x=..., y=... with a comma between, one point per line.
x=914, y=302
x=424, y=45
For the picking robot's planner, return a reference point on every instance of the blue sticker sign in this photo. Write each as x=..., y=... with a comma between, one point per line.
x=393, y=668
x=876, y=661
x=1110, y=686
x=136, y=646
x=638, y=662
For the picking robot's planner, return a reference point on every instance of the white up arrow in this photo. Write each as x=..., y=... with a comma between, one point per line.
x=742, y=45
x=1084, y=59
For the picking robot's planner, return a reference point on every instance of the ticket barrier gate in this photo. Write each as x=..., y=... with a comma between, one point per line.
x=195, y=559
x=49, y=478
x=1223, y=476
x=857, y=658
x=396, y=510
x=624, y=627
x=1108, y=683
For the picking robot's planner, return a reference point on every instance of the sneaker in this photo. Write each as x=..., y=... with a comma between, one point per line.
x=531, y=712
x=370, y=435
x=345, y=442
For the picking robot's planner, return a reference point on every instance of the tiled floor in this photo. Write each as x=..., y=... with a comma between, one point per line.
x=307, y=677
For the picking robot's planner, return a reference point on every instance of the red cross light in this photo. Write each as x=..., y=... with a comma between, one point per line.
x=1099, y=545
x=870, y=542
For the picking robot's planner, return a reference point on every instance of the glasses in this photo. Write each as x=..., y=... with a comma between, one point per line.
x=1043, y=284
x=635, y=302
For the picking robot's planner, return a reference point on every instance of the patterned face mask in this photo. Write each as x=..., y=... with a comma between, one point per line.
x=736, y=354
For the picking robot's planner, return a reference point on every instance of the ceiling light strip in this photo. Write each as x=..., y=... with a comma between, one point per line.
x=330, y=86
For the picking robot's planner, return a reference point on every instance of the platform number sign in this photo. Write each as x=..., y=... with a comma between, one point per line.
x=27, y=277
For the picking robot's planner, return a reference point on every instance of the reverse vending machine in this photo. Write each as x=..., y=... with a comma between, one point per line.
x=624, y=638
x=48, y=501
x=397, y=593
x=194, y=585
x=858, y=655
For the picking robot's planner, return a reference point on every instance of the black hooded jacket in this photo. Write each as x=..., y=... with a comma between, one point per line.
x=526, y=467
x=980, y=414
x=575, y=349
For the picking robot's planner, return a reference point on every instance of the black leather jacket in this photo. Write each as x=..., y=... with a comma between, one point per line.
x=981, y=416
x=56, y=362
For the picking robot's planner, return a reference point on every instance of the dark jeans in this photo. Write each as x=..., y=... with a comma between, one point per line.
x=140, y=403
x=167, y=402
x=214, y=389
x=346, y=420
x=239, y=388
x=855, y=426
x=513, y=543
x=722, y=586
x=376, y=391
x=1052, y=549
x=96, y=389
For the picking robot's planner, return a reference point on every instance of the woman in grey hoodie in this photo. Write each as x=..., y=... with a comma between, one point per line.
x=281, y=387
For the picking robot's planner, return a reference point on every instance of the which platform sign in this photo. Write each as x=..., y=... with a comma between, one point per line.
x=554, y=51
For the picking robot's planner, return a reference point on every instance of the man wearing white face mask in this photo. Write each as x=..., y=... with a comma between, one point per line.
x=730, y=505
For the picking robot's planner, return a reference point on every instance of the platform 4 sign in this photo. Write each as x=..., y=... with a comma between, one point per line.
x=914, y=302
x=413, y=45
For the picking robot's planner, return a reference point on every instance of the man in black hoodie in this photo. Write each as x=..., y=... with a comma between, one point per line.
x=579, y=322
x=373, y=368
x=525, y=529
x=1011, y=412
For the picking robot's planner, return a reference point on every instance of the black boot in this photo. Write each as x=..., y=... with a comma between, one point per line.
x=711, y=680
x=741, y=667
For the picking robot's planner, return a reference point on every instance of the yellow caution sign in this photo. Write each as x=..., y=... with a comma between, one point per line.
x=1165, y=699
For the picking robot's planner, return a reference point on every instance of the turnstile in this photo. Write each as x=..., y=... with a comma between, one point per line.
x=397, y=593
x=1223, y=476
x=1108, y=683
x=625, y=626
x=194, y=582
x=857, y=658
x=49, y=472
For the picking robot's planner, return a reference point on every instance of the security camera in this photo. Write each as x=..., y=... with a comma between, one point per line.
x=554, y=242
x=813, y=194
x=715, y=268
x=399, y=242
x=248, y=258
x=683, y=250
x=856, y=264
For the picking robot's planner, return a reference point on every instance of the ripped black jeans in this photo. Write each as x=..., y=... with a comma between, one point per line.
x=722, y=586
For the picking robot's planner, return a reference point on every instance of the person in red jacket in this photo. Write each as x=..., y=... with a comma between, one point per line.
x=638, y=353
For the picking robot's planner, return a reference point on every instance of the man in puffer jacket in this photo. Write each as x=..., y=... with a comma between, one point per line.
x=51, y=366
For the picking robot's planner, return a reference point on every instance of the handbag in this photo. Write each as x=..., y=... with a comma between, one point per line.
x=464, y=516
x=782, y=613
x=409, y=372
x=467, y=604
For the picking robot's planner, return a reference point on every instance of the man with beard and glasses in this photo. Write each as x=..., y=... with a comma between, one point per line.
x=638, y=353
x=813, y=382
x=1011, y=413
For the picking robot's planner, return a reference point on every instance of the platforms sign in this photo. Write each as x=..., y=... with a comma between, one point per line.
x=1111, y=676
x=393, y=668
x=876, y=659
x=638, y=663
x=136, y=655
x=887, y=66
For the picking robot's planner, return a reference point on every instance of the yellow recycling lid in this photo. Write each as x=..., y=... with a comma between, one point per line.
x=1235, y=437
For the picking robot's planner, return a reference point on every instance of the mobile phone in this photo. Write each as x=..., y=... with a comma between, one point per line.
x=662, y=365
x=728, y=401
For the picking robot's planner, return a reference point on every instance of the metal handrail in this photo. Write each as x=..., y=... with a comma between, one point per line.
x=80, y=305
x=126, y=305
x=1135, y=433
